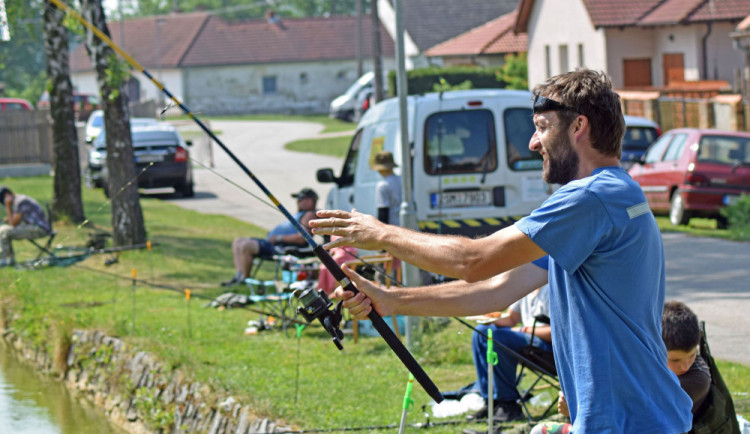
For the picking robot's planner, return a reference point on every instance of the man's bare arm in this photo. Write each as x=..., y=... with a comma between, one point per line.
x=458, y=298
x=463, y=258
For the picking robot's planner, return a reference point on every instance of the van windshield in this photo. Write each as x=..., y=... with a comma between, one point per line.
x=460, y=142
x=519, y=127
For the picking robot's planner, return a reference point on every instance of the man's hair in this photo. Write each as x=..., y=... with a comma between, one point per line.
x=590, y=93
x=3, y=191
x=679, y=327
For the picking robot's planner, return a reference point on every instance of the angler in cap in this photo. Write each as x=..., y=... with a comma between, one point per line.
x=244, y=250
x=606, y=267
x=388, y=190
x=24, y=219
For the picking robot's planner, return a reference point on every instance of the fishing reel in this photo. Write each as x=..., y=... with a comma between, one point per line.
x=317, y=305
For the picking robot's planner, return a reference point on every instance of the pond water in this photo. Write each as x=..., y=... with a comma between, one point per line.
x=31, y=403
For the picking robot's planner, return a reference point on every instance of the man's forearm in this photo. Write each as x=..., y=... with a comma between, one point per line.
x=460, y=298
x=460, y=257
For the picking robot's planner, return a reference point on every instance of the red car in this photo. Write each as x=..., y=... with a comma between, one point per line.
x=14, y=104
x=691, y=172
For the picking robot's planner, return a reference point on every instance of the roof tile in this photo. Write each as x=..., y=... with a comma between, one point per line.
x=153, y=41
x=290, y=40
x=494, y=37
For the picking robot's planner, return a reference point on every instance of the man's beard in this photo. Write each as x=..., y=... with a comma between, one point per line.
x=562, y=163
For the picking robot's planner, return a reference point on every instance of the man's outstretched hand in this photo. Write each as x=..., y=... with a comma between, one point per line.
x=355, y=229
x=370, y=296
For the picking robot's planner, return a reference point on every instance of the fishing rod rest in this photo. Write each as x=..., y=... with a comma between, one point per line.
x=317, y=305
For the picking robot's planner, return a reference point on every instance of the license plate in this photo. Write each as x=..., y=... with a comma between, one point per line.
x=460, y=199
x=148, y=158
x=729, y=199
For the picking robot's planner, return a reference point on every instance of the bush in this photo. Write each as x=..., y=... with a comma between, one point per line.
x=738, y=217
x=425, y=80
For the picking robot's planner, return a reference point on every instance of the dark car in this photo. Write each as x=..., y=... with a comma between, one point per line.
x=692, y=172
x=640, y=133
x=159, y=149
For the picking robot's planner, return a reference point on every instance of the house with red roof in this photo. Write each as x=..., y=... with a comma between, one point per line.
x=217, y=66
x=486, y=45
x=639, y=43
x=282, y=65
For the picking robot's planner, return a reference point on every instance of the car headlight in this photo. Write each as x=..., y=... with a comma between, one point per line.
x=97, y=158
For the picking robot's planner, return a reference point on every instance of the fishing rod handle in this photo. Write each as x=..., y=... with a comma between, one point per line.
x=380, y=325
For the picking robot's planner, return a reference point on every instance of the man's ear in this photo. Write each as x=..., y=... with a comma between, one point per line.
x=580, y=126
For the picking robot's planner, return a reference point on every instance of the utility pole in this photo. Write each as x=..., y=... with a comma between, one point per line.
x=377, y=65
x=360, y=68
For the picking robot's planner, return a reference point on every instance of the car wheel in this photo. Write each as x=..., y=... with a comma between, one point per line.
x=185, y=188
x=678, y=215
x=105, y=187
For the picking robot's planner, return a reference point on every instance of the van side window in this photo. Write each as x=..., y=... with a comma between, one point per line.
x=350, y=164
x=519, y=127
x=460, y=142
x=656, y=150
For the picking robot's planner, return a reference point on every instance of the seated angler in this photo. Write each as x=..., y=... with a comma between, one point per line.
x=244, y=250
x=24, y=219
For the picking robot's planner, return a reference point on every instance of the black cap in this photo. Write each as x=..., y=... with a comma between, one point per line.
x=305, y=193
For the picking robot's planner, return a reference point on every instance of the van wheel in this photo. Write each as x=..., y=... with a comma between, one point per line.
x=678, y=215
x=105, y=187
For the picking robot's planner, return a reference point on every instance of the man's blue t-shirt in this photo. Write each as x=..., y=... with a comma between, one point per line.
x=606, y=276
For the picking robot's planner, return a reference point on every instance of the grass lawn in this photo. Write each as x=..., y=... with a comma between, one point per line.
x=306, y=382
x=333, y=146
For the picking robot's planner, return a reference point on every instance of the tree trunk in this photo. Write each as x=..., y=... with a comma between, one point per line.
x=127, y=217
x=66, y=199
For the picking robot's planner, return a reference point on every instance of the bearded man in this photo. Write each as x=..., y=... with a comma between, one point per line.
x=606, y=266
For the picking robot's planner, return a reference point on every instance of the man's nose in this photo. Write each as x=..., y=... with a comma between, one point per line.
x=535, y=144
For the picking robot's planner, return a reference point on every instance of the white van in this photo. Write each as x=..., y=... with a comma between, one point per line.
x=473, y=171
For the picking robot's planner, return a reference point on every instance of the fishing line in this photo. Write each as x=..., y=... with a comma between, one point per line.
x=316, y=305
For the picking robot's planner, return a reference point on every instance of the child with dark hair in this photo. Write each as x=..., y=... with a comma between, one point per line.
x=681, y=335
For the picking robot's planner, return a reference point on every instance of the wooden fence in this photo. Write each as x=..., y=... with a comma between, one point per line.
x=25, y=137
x=724, y=112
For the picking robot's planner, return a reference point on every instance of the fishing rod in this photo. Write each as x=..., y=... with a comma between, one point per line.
x=315, y=304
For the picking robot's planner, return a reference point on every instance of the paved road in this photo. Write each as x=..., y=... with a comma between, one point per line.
x=712, y=276
x=260, y=146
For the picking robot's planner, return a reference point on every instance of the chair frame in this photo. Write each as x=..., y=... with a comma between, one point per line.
x=542, y=375
x=46, y=248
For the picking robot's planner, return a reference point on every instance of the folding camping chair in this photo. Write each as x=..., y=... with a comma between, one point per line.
x=50, y=236
x=297, y=268
x=716, y=415
x=539, y=365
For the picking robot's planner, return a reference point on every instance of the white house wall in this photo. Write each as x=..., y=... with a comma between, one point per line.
x=653, y=42
x=626, y=44
x=85, y=82
x=300, y=87
x=556, y=22
x=723, y=58
x=678, y=39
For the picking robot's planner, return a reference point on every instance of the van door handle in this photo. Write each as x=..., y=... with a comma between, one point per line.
x=351, y=198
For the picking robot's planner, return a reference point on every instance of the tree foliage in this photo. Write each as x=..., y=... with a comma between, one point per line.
x=514, y=73
x=22, y=59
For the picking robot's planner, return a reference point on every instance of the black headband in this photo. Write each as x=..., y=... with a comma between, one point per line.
x=543, y=104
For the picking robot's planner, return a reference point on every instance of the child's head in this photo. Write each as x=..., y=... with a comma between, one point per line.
x=681, y=335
